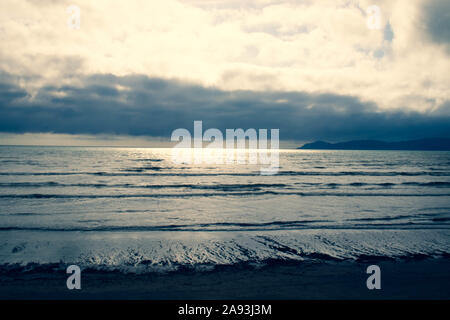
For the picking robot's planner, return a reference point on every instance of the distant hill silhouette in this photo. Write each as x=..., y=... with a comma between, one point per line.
x=441, y=144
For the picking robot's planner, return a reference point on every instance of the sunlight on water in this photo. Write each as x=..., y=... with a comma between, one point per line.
x=141, y=196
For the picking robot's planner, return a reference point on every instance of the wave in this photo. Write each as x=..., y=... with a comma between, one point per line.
x=221, y=226
x=146, y=168
x=365, y=173
x=148, y=160
x=253, y=186
x=244, y=174
x=389, y=218
x=220, y=194
x=150, y=253
x=172, y=268
x=437, y=184
x=435, y=224
x=224, y=187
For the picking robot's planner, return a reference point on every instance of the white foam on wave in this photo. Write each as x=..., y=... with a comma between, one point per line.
x=169, y=251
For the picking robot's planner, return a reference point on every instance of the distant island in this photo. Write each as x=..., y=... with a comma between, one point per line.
x=436, y=144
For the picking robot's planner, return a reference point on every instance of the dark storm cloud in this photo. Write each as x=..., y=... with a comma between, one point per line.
x=437, y=21
x=139, y=105
x=8, y=91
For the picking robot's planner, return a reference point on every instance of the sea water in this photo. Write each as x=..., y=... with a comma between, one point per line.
x=136, y=210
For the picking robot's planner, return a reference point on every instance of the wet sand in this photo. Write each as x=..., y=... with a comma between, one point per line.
x=411, y=279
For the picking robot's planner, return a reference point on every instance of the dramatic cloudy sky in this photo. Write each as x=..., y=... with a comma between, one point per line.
x=140, y=69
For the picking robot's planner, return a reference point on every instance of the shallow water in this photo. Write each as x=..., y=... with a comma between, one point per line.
x=134, y=209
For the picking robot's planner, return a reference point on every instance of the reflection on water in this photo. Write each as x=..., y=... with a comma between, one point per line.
x=137, y=193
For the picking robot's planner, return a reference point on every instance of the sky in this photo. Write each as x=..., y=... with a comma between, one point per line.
x=131, y=72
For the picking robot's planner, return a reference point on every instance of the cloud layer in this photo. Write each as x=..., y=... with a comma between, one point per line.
x=313, y=69
x=139, y=105
x=306, y=46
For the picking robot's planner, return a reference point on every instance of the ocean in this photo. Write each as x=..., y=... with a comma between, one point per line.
x=134, y=210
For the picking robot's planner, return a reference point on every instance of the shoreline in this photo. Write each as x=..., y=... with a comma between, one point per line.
x=400, y=279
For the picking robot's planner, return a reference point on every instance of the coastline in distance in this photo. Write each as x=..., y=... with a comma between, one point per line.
x=435, y=144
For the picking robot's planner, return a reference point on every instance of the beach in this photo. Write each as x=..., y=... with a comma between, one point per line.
x=142, y=227
x=229, y=150
x=413, y=279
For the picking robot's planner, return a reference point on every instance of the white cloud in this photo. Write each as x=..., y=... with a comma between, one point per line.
x=317, y=46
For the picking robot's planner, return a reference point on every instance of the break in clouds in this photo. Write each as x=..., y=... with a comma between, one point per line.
x=139, y=105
